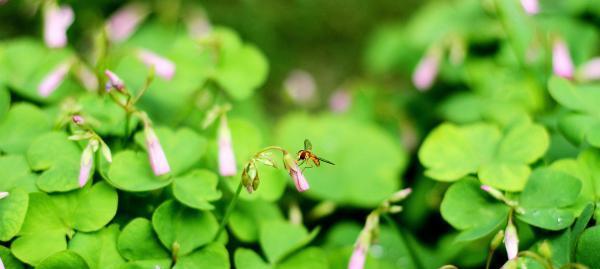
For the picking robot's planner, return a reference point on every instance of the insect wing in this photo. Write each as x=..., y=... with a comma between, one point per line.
x=307, y=144
x=326, y=161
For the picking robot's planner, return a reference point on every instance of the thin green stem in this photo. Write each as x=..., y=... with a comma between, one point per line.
x=411, y=252
x=228, y=211
x=488, y=261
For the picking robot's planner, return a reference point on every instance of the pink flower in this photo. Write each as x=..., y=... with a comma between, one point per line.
x=300, y=86
x=125, y=21
x=156, y=155
x=114, y=81
x=56, y=22
x=532, y=7
x=3, y=195
x=1, y=264
x=340, y=101
x=52, y=81
x=162, y=66
x=227, y=165
x=561, y=59
x=426, y=71
x=590, y=70
x=295, y=173
x=78, y=119
x=198, y=25
x=511, y=240
x=87, y=161
x=359, y=255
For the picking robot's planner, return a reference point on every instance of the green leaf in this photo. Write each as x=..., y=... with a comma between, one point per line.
x=350, y=145
x=179, y=225
x=248, y=216
x=279, y=238
x=523, y=143
x=131, y=171
x=578, y=228
x=465, y=206
x=140, y=230
x=450, y=152
x=4, y=102
x=14, y=172
x=89, y=209
x=98, y=249
x=21, y=126
x=248, y=259
x=197, y=189
x=33, y=248
x=505, y=176
x=64, y=260
x=104, y=115
x=59, y=157
x=589, y=247
x=9, y=260
x=580, y=99
x=211, y=256
x=183, y=147
x=12, y=213
x=309, y=258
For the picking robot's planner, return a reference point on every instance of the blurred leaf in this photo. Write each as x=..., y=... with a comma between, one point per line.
x=8, y=259
x=248, y=259
x=21, y=126
x=150, y=251
x=197, y=189
x=248, y=217
x=210, y=256
x=4, y=102
x=188, y=228
x=588, y=247
x=279, y=238
x=98, y=249
x=104, y=115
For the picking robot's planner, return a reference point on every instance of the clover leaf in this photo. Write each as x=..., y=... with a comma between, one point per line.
x=59, y=158
x=98, y=249
x=150, y=252
x=21, y=126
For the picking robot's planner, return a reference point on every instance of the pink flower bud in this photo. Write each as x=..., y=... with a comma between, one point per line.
x=400, y=195
x=114, y=81
x=590, y=70
x=162, y=66
x=561, y=59
x=3, y=194
x=198, y=25
x=340, y=101
x=295, y=173
x=78, y=119
x=156, y=155
x=511, y=240
x=87, y=78
x=87, y=161
x=531, y=7
x=300, y=86
x=56, y=22
x=52, y=81
x=227, y=165
x=426, y=71
x=493, y=192
x=359, y=255
x=1, y=264
x=125, y=21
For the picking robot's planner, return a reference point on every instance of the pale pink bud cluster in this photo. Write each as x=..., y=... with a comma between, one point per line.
x=114, y=81
x=52, y=81
x=562, y=63
x=300, y=86
x=56, y=22
x=426, y=71
x=3, y=194
x=590, y=70
x=511, y=241
x=531, y=7
x=340, y=101
x=227, y=164
x=296, y=173
x=358, y=258
x=123, y=23
x=162, y=66
x=156, y=155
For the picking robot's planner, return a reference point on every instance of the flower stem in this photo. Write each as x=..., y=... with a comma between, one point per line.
x=228, y=211
x=411, y=252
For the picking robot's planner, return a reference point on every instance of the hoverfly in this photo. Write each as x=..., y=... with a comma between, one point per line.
x=306, y=156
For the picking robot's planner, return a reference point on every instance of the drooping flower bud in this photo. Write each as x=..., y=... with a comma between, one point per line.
x=114, y=81
x=3, y=194
x=400, y=195
x=87, y=78
x=162, y=66
x=125, y=21
x=511, y=240
x=78, y=119
x=56, y=22
x=106, y=152
x=87, y=161
x=250, y=178
x=561, y=59
x=590, y=70
x=531, y=7
x=295, y=172
x=227, y=165
x=358, y=258
x=198, y=25
x=52, y=81
x=1, y=264
x=340, y=101
x=497, y=240
x=426, y=71
x=156, y=155
x=300, y=86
